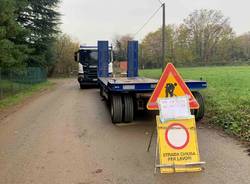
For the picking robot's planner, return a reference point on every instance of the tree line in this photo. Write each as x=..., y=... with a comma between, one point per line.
x=30, y=37
x=204, y=38
x=28, y=30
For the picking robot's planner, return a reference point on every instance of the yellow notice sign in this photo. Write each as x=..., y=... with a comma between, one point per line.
x=178, y=147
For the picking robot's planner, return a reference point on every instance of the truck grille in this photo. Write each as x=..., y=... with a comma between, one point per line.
x=90, y=73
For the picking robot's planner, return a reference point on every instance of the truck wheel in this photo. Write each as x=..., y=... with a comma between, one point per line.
x=82, y=86
x=116, y=109
x=128, y=108
x=199, y=113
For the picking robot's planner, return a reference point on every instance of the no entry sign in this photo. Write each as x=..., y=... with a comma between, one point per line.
x=177, y=136
x=178, y=145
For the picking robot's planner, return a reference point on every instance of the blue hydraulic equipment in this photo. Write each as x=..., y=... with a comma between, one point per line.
x=132, y=59
x=103, y=58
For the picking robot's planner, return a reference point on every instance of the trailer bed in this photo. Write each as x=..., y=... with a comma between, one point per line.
x=140, y=84
x=126, y=84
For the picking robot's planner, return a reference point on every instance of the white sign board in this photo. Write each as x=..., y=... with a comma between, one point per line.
x=174, y=108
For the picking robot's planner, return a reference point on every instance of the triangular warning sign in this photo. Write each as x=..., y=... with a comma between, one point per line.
x=171, y=84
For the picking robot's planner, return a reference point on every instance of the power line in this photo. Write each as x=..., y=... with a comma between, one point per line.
x=152, y=16
x=160, y=2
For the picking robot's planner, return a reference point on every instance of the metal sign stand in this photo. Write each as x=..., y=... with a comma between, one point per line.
x=151, y=138
x=156, y=153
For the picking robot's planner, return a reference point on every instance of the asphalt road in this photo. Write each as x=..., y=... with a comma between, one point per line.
x=66, y=136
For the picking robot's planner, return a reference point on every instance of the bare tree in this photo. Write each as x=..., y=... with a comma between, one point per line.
x=243, y=42
x=120, y=43
x=64, y=51
x=206, y=29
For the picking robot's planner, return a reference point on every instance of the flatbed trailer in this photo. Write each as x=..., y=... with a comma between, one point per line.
x=130, y=94
x=126, y=95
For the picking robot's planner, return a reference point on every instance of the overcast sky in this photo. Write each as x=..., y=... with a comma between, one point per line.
x=90, y=20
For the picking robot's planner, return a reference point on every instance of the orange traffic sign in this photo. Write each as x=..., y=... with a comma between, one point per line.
x=171, y=84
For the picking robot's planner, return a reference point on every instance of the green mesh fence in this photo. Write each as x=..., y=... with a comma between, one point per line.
x=15, y=80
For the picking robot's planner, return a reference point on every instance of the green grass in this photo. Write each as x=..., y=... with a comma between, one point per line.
x=22, y=94
x=227, y=97
x=7, y=85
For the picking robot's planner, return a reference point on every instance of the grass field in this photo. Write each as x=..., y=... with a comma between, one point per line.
x=17, y=93
x=227, y=97
x=8, y=88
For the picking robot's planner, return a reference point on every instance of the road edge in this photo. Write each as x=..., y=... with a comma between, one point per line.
x=26, y=99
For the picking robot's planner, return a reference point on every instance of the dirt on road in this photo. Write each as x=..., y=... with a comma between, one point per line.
x=65, y=136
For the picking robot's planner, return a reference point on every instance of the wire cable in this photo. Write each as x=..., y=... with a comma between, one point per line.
x=160, y=2
x=150, y=18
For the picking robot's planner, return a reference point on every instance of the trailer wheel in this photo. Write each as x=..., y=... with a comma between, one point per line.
x=199, y=113
x=128, y=114
x=82, y=86
x=101, y=92
x=116, y=109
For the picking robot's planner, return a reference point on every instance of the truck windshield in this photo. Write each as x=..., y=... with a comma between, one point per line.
x=88, y=56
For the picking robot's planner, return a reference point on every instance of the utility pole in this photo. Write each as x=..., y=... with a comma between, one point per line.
x=163, y=36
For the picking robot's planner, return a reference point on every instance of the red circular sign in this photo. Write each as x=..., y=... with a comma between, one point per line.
x=177, y=136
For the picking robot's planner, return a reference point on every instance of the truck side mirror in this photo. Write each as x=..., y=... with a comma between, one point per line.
x=75, y=57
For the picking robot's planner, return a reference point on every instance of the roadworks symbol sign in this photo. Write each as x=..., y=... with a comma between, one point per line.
x=171, y=84
x=178, y=145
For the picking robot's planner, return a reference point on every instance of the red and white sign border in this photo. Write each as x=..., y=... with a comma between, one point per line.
x=187, y=139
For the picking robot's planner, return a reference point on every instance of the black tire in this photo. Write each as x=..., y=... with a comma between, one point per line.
x=128, y=114
x=82, y=86
x=116, y=109
x=199, y=113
